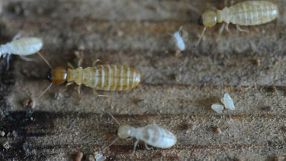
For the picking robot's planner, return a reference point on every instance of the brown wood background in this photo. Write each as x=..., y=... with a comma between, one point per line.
x=176, y=92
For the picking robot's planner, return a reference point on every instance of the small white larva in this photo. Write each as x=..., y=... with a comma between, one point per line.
x=23, y=46
x=217, y=107
x=228, y=102
x=179, y=41
x=151, y=134
x=99, y=157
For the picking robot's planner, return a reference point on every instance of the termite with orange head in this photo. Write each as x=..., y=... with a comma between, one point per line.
x=99, y=77
x=247, y=13
x=151, y=134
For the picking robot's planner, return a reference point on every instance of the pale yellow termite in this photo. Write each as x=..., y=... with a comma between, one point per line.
x=248, y=13
x=100, y=77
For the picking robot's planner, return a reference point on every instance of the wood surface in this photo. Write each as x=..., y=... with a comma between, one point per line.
x=176, y=91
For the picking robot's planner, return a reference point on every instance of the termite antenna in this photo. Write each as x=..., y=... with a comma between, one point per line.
x=201, y=36
x=45, y=60
x=181, y=28
x=116, y=137
x=50, y=85
x=110, y=144
x=113, y=118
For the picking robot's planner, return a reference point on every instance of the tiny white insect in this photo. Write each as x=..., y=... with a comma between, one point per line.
x=99, y=157
x=23, y=46
x=217, y=107
x=179, y=40
x=152, y=134
x=228, y=102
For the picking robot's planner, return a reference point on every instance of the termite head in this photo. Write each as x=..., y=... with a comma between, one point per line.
x=209, y=18
x=125, y=131
x=58, y=75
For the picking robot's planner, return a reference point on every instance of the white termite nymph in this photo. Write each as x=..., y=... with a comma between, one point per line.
x=99, y=157
x=180, y=43
x=23, y=46
x=152, y=134
x=218, y=108
x=228, y=102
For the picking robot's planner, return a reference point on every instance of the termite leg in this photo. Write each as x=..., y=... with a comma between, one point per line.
x=79, y=56
x=79, y=63
x=223, y=26
x=26, y=58
x=135, y=145
x=221, y=29
x=220, y=32
x=181, y=29
x=17, y=36
x=8, y=57
x=95, y=92
x=63, y=90
x=69, y=83
x=227, y=27
x=94, y=63
x=178, y=53
x=147, y=147
x=79, y=89
x=240, y=29
x=70, y=65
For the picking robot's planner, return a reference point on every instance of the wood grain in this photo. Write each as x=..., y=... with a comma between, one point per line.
x=176, y=92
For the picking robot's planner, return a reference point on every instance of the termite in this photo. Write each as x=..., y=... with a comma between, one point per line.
x=228, y=102
x=151, y=134
x=248, y=13
x=180, y=43
x=99, y=77
x=218, y=108
x=23, y=47
x=99, y=157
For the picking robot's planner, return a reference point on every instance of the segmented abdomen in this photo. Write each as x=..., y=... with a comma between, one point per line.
x=110, y=77
x=252, y=13
x=158, y=137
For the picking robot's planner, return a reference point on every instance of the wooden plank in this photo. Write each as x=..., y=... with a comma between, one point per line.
x=176, y=92
x=49, y=133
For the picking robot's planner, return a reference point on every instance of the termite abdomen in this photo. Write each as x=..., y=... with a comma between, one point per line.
x=101, y=77
x=106, y=77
